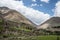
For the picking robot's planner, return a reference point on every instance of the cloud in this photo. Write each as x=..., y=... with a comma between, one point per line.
x=46, y=1
x=35, y=16
x=57, y=9
x=32, y=5
x=34, y=0
x=41, y=4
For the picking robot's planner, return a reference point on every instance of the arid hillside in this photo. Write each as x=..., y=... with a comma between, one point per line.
x=14, y=24
x=13, y=15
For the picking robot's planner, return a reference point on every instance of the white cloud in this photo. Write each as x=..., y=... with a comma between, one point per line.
x=41, y=5
x=46, y=1
x=57, y=9
x=34, y=0
x=32, y=5
x=34, y=15
x=37, y=16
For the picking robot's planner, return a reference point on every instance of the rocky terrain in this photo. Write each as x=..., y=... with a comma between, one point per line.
x=13, y=15
x=14, y=24
x=52, y=25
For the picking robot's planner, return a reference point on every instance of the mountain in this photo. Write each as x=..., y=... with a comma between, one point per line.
x=52, y=24
x=13, y=15
x=14, y=24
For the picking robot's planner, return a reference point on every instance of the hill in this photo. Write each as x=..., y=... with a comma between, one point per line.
x=52, y=22
x=13, y=15
x=52, y=25
x=14, y=24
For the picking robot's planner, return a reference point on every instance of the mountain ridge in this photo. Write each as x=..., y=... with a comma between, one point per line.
x=50, y=23
x=15, y=16
x=13, y=24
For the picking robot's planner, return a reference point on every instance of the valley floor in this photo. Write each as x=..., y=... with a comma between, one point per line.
x=46, y=37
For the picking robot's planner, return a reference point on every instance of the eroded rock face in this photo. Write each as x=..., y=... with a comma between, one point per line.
x=13, y=15
x=14, y=24
x=53, y=24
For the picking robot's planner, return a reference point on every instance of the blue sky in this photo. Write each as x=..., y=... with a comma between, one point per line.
x=46, y=7
x=38, y=11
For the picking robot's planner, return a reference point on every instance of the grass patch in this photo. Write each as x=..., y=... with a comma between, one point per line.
x=50, y=37
x=16, y=28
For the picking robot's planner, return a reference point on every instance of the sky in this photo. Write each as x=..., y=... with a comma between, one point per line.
x=38, y=11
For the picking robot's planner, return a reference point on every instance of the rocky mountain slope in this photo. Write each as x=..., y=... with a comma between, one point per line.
x=13, y=15
x=14, y=24
x=53, y=24
x=50, y=27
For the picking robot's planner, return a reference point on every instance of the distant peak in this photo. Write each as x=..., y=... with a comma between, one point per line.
x=4, y=8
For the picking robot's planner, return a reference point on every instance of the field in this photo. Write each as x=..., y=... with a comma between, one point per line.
x=43, y=38
x=49, y=37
